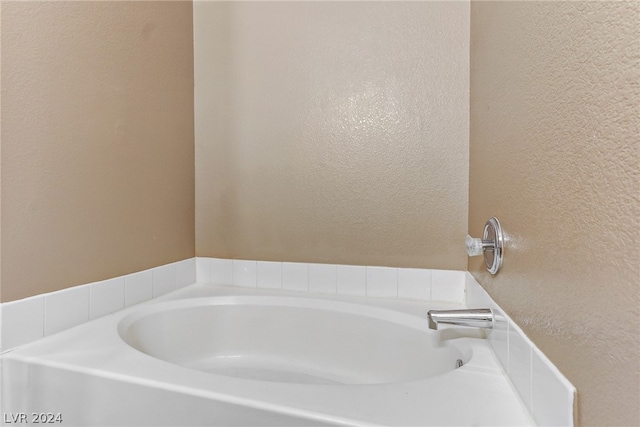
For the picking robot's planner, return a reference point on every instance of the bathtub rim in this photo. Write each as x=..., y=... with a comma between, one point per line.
x=80, y=349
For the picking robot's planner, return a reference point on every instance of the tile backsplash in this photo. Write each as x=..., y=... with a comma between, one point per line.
x=545, y=392
x=378, y=282
x=29, y=319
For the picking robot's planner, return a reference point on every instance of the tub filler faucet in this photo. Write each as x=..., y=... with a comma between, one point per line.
x=476, y=317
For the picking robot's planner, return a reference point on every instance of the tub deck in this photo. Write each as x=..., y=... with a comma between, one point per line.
x=91, y=377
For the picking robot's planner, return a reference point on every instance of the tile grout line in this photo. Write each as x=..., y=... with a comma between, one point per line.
x=90, y=305
x=366, y=281
x=44, y=316
x=397, y=282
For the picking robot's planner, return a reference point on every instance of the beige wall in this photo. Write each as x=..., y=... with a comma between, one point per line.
x=337, y=132
x=332, y=132
x=554, y=154
x=0, y=155
x=97, y=141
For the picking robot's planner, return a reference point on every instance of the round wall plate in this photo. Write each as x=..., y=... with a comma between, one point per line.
x=493, y=254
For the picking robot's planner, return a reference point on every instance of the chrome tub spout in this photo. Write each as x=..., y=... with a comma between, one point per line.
x=475, y=317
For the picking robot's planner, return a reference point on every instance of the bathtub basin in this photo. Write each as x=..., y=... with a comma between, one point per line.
x=292, y=340
x=212, y=355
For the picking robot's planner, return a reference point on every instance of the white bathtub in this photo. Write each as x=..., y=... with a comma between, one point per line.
x=222, y=356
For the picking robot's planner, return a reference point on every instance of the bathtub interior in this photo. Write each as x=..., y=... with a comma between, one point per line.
x=291, y=340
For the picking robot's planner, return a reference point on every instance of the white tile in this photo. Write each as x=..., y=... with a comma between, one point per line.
x=322, y=278
x=65, y=309
x=520, y=363
x=22, y=322
x=164, y=279
x=351, y=280
x=203, y=270
x=414, y=283
x=477, y=297
x=106, y=297
x=221, y=271
x=382, y=282
x=499, y=338
x=553, y=395
x=295, y=276
x=269, y=274
x=448, y=285
x=138, y=287
x=244, y=273
x=185, y=273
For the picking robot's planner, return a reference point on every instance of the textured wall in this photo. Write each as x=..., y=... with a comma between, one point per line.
x=0, y=156
x=97, y=141
x=554, y=154
x=332, y=131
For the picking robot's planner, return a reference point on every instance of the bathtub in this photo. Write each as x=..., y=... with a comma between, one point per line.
x=224, y=356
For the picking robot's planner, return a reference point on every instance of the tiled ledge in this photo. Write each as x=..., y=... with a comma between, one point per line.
x=380, y=282
x=543, y=389
x=29, y=319
x=548, y=395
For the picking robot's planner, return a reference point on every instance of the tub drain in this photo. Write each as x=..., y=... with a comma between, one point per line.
x=459, y=363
